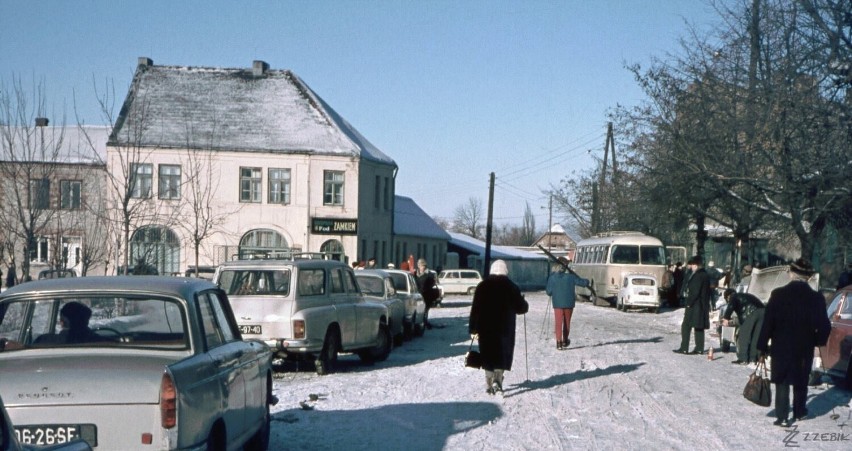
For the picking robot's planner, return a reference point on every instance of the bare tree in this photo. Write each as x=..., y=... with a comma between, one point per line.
x=130, y=202
x=29, y=156
x=467, y=218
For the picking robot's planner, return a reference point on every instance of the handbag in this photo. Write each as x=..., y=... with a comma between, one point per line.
x=473, y=359
x=758, y=389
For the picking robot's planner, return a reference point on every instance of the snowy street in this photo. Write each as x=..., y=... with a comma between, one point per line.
x=618, y=386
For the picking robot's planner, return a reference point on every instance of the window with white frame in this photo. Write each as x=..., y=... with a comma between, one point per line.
x=70, y=194
x=250, y=184
x=333, y=188
x=279, y=186
x=169, y=181
x=141, y=180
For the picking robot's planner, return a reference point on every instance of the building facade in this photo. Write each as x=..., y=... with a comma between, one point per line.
x=244, y=163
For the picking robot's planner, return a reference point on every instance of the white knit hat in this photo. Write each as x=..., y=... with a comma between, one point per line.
x=499, y=268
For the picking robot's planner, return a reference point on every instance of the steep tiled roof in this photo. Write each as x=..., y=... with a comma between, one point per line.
x=410, y=220
x=234, y=109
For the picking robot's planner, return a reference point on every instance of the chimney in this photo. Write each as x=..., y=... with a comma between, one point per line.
x=259, y=68
x=145, y=61
x=41, y=122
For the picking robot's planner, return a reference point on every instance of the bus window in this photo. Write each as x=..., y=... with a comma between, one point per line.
x=625, y=254
x=653, y=255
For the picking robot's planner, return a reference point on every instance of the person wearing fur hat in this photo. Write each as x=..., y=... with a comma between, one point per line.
x=696, y=315
x=794, y=323
x=496, y=302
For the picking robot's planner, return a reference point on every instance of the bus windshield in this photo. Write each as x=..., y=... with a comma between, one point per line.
x=636, y=255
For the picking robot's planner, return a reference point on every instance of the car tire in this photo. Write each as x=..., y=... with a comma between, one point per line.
x=382, y=349
x=217, y=441
x=420, y=329
x=408, y=328
x=327, y=360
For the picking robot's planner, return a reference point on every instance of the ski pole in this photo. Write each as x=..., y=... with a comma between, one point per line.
x=526, y=350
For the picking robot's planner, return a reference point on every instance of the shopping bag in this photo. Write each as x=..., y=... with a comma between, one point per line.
x=758, y=389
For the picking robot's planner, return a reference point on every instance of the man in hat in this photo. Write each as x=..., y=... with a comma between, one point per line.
x=794, y=323
x=696, y=315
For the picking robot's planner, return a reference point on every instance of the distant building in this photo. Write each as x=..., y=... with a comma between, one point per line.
x=417, y=234
x=52, y=178
x=527, y=269
x=556, y=241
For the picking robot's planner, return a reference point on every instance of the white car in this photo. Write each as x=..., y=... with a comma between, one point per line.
x=377, y=286
x=415, y=306
x=638, y=290
x=459, y=281
x=144, y=362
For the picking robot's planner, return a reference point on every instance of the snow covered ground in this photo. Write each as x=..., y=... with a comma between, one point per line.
x=618, y=386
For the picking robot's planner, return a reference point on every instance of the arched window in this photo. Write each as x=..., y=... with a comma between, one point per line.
x=334, y=248
x=260, y=243
x=156, y=246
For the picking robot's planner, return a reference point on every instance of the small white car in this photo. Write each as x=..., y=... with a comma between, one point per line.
x=638, y=291
x=459, y=281
x=377, y=286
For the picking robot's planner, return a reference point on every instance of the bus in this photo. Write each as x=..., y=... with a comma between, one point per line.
x=605, y=258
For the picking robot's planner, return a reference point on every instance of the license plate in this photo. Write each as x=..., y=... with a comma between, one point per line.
x=644, y=293
x=253, y=329
x=55, y=434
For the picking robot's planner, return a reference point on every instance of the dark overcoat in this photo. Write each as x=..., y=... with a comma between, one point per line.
x=496, y=302
x=697, y=300
x=795, y=321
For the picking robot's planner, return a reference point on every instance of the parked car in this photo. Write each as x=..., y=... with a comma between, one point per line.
x=835, y=358
x=204, y=272
x=638, y=290
x=377, y=286
x=132, y=363
x=307, y=309
x=459, y=281
x=415, y=306
x=56, y=273
x=10, y=440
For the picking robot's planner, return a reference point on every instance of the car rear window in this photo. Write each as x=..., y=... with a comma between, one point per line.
x=255, y=282
x=112, y=321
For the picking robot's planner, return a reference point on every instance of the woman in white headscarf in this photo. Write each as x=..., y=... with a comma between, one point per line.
x=496, y=302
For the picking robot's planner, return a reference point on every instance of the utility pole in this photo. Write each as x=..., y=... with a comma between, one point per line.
x=487, y=262
x=598, y=191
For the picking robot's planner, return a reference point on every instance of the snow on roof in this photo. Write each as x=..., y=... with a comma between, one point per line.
x=235, y=109
x=62, y=144
x=502, y=252
x=409, y=219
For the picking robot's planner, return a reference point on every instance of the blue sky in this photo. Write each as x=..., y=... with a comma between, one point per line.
x=452, y=90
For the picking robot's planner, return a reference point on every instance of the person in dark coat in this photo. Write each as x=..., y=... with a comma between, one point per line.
x=496, y=302
x=794, y=323
x=427, y=284
x=749, y=312
x=560, y=287
x=696, y=316
x=845, y=277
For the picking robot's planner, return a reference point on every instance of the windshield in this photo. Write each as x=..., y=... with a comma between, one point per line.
x=638, y=255
x=93, y=321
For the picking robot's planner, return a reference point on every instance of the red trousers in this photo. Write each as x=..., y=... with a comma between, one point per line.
x=562, y=323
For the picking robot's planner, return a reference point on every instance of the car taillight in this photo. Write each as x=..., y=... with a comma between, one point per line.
x=298, y=329
x=168, y=402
